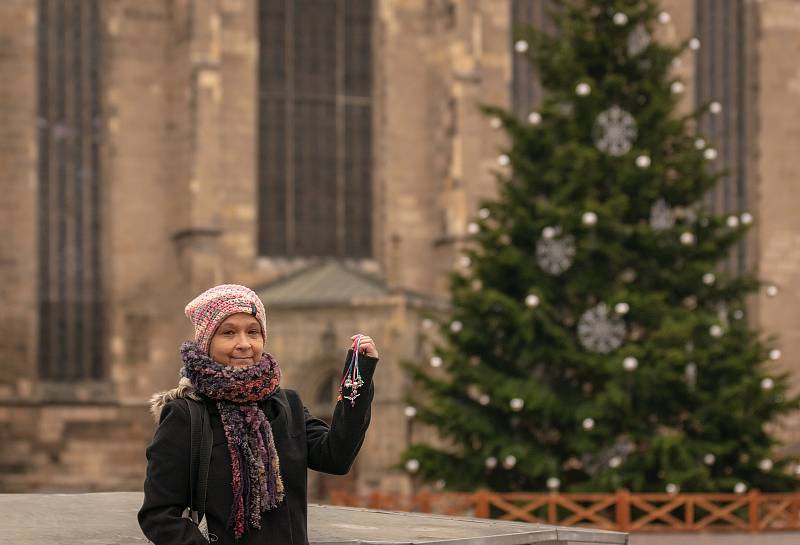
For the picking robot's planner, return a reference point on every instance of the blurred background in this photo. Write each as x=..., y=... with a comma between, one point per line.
x=328, y=154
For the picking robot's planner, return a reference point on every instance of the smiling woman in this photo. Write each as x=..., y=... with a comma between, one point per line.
x=264, y=439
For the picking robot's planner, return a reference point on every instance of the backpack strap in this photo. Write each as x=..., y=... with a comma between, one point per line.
x=199, y=457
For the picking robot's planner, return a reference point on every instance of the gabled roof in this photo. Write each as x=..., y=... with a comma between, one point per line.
x=325, y=283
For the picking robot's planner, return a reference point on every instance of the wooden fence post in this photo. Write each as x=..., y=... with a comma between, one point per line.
x=481, y=504
x=552, y=505
x=755, y=499
x=623, y=510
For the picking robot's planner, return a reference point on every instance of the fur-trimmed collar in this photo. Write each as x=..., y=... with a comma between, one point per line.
x=184, y=389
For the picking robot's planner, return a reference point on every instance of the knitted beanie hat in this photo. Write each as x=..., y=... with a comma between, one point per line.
x=209, y=309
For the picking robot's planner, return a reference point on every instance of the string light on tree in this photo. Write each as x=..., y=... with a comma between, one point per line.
x=483, y=213
x=622, y=308
x=746, y=218
x=765, y=464
x=532, y=300
x=672, y=488
x=503, y=160
x=715, y=331
x=709, y=459
x=516, y=404
x=583, y=89
x=427, y=323
x=509, y=461
x=495, y=123
x=534, y=118
x=440, y=484
x=484, y=399
x=520, y=46
x=699, y=143
x=553, y=483
x=589, y=219
x=456, y=326
x=620, y=19
x=664, y=18
x=476, y=284
x=677, y=87
x=630, y=363
x=732, y=221
x=464, y=262
x=588, y=423
x=694, y=44
x=767, y=384
x=643, y=161
x=615, y=462
x=715, y=108
x=412, y=465
x=709, y=279
x=774, y=354
x=772, y=290
x=710, y=154
x=490, y=462
x=436, y=361
x=687, y=238
x=740, y=488
x=410, y=411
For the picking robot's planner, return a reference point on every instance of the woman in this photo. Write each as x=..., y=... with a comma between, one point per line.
x=263, y=437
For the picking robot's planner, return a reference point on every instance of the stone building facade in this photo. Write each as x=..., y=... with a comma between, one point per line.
x=329, y=154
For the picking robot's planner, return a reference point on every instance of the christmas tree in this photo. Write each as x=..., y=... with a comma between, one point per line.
x=595, y=343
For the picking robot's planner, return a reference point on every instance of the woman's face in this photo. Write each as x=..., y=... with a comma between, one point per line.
x=237, y=341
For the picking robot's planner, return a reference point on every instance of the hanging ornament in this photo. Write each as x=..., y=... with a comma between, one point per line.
x=709, y=459
x=738, y=314
x=628, y=276
x=534, y=118
x=677, y=87
x=715, y=331
x=709, y=279
x=614, y=462
x=473, y=228
x=710, y=154
x=620, y=19
x=583, y=89
x=622, y=308
x=772, y=290
x=672, y=488
x=765, y=464
x=638, y=40
x=503, y=160
x=550, y=232
x=747, y=218
x=643, y=161
x=740, y=488
x=491, y=462
x=412, y=465
x=410, y=411
x=774, y=354
x=687, y=238
x=661, y=217
x=509, y=461
x=553, y=483
x=484, y=399
x=630, y=363
x=699, y=144
x=589, y=219
x=664, y=18
x=436, y=361
x=715, y=108
x=767, y=384
x=599, y=332
x=732, y=221
x=691, y=375
x=690, y=302
x=694, y=44
x=495, y=123
x=483, y=213
x=520, y=46
x=532, y=300
x=614, y=131
x=555, y=255
x=588, y=423
x=456, y=326
x=516, y=404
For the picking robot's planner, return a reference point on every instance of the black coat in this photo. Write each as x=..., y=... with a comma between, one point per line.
x=302, y=441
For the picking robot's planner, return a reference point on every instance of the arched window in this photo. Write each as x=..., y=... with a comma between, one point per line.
x=315, y=128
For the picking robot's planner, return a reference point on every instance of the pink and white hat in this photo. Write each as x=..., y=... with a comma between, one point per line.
x=209, y=309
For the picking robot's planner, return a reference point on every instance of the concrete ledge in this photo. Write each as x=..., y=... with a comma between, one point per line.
x=110, y=519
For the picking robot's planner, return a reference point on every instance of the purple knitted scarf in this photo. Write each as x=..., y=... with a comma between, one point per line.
x=255, y=468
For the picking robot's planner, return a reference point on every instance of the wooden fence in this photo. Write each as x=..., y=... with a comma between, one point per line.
x=623, y=510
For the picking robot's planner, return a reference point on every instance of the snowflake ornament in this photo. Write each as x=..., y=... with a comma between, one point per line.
x=614, y=131
x=638, y=40
x=555, y=255
x=661, y=217
x=600, y=331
